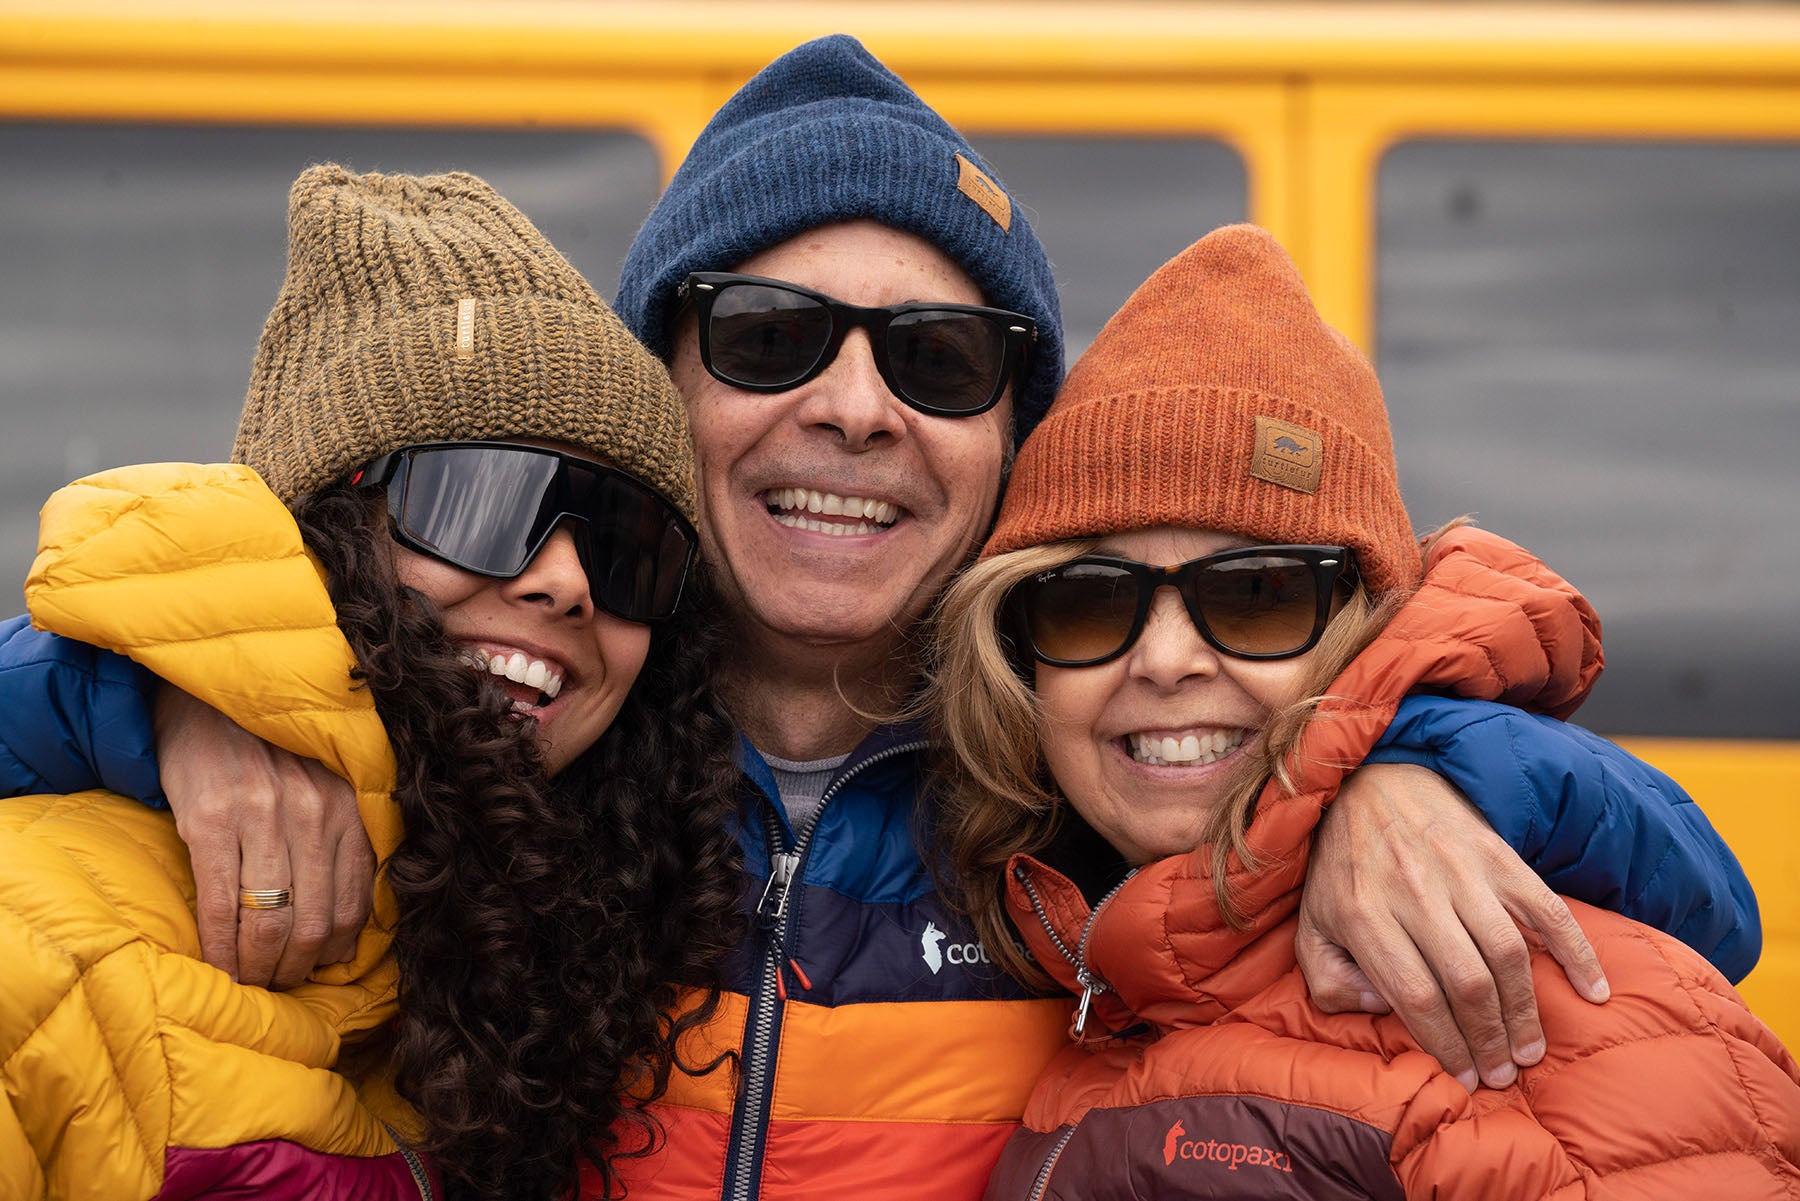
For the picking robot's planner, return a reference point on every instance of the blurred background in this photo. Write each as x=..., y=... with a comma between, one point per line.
x=1569, y=234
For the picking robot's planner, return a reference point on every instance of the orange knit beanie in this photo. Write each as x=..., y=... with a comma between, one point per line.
x=1218, y=399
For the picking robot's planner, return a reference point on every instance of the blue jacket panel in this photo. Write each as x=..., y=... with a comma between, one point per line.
x=1596, y=823
x=75, y=718
x=863, y=918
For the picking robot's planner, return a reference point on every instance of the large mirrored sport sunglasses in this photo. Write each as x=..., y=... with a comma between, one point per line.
x=1257, y=602
x=767, y=335
x=489, y=507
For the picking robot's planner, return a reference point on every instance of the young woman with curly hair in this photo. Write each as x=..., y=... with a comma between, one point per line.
x=455, y=563
x=1200, y=609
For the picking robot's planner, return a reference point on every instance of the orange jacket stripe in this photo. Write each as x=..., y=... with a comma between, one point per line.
x=860, y=1062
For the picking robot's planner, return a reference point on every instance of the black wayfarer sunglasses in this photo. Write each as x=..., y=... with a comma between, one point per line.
x=767, y=335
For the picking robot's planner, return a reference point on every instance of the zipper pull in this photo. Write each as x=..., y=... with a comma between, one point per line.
x=1079, y=1024
x=781, y=878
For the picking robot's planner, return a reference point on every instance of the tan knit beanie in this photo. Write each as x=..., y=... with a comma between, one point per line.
x=1218, y=399
x=427, y=308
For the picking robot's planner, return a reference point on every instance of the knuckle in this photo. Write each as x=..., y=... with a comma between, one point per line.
x=1415, y=994
x=1468, y=982
x=308, y=933
x=1332, y=996
x=1507, y=951
x=1557, y=920
x=263, y=934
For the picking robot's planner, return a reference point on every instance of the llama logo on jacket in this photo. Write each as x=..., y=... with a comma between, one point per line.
x=930, y=941
x=1169, y=1142
x=937, y=950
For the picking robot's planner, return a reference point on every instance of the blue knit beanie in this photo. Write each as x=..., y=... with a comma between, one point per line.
x=824, y=134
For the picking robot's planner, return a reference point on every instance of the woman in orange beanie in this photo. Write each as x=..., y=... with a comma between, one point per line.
x=1201, y=607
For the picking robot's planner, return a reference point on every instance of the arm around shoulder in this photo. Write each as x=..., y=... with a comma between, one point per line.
x=1595, y=822
x=77, y=717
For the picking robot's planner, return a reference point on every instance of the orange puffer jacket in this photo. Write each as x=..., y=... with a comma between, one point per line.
x=1242, y=1089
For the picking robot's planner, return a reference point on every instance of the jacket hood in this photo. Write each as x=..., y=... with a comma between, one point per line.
x=1489, y=622
x=199, y=574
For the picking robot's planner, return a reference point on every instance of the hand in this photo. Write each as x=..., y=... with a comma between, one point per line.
x=256, y=816
x=1411, y=899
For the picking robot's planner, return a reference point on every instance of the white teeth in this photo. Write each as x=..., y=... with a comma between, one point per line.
x=533, y=673
x=837, y=528
x=796, y=500
x=1190, y=750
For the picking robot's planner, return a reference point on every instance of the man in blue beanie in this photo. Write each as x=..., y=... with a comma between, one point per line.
x=864, y=326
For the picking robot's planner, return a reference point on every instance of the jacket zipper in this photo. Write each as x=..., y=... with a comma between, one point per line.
x=750, y=1121
x=1092, y=983
x=1043, y=1177
x=414, y=1164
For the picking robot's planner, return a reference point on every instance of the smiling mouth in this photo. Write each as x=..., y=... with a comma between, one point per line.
x=829, y=513
x=1188, y=750
x=531, y=683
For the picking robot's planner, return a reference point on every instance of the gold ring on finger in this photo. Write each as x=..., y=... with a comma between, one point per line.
x=265, y=898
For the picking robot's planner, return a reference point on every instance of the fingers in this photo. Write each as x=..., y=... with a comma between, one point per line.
x=1402, y=976
x=255, y=816
x=311, y=913
x=214, y=855
x=1567, y=944
x=1333, y=980
x=1420, y=894
x=353, y=894
x=262, y=933
x=1487, y=1001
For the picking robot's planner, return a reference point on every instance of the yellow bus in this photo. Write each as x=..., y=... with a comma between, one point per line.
x=1570, y=235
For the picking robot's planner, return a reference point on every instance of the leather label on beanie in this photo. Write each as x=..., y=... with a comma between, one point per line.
x=465, y=327
x=1289, y=455
x=985, y=192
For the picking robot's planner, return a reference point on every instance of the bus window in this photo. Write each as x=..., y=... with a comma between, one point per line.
x=1595, y=348
x=141, y=261
x=1110, y=211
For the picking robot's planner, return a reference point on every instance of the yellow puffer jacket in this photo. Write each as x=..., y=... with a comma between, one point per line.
x=134, y=1070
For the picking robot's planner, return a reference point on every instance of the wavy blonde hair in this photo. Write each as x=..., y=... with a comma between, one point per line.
x=995, y=796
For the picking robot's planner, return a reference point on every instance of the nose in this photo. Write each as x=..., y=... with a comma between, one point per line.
x=851, y=400
x=555, y=579
x=1170, y=651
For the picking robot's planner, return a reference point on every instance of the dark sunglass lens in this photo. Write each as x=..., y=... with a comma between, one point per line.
x=765, y=337
x=637, y=552
x=1080, y=612
x=474, y=506
x=1264, y=605
x=946, y=361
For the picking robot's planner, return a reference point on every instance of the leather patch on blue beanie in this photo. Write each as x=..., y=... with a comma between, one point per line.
x=983, y=191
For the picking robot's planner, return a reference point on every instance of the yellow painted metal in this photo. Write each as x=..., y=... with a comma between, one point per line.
x=1351, y=123
x=1751, y=791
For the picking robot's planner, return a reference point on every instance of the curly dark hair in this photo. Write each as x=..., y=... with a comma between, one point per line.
x=554, y=937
